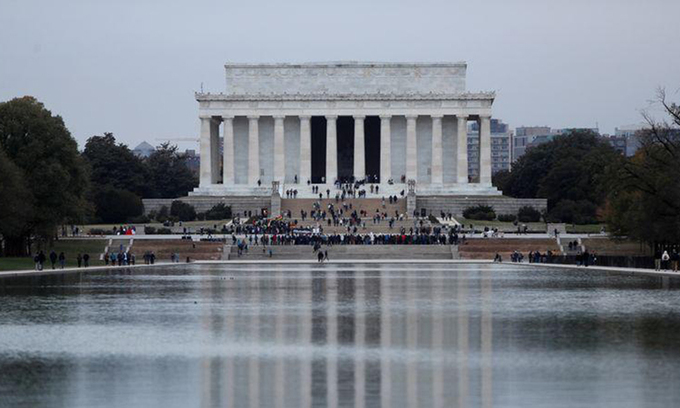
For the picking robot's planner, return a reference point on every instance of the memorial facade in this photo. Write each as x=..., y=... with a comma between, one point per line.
x=326, y=123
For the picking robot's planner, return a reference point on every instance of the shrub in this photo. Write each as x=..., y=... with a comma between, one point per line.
x=162, y=214
x=149, y=230
x=140, y=219
x=157, y=231
x=433, y=219
x=507, y=217
x=200, y=216
x=573, y=212
x=218, y=212
x=528, y=214
x=182, y=210
x=164, y=231
x=480, y=212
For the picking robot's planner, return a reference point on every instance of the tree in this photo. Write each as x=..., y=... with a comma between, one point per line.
x=169, y=177
x=41, y=147
x=116, y=206
x=16, y=202
x=114, y=165
x=644, y=195
x=182, y=210
x=570, y=168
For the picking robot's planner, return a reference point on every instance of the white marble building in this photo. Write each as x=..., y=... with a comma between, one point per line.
x=321, y=122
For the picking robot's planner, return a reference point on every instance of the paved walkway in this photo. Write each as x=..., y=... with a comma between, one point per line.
x=624, y=271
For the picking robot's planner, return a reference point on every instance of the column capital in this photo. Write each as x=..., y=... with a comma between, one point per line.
x=227, y=117
x=203, y=117
x=279, y=117
x=411, y=117
x=486, y=116
x=304, y=117
x=331, y=117
x=253, y=117
x=359, y=117
x=462, y=116
x=437, y=116
x=385, y=117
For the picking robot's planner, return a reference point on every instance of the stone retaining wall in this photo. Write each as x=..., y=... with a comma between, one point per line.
x=239, y=205
x=457, y=204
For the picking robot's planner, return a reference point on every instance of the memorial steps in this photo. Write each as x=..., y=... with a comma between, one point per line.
x=359, y=204
x=346, y=252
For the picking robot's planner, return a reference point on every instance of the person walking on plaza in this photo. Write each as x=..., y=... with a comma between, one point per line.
x=62, y=260
x=41, y=260
x=665, y=257
x=86, y=260
x=79, y=259
x=53, y=258
x=657, y=260
x=675, y=257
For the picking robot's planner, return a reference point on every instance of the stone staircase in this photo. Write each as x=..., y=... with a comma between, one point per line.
x=358, y=204
x=347, y=252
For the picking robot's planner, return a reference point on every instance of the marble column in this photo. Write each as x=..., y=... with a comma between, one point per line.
x=485, y=150
x=359, y=148
x=279, y=150
x=253, y=150
x=437, y=159
x=331, y=149
x=411, y=148
x=305, y=150
x=206, y=155
x=462, y=152
x=215, y=150
x=228, y=151
x=385, y=148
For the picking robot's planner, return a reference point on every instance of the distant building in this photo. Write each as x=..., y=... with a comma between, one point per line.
x=501, y=148
x=192, y=161
x=143, y=150
x=527, y=136
x=531, y=136
x=625, y=139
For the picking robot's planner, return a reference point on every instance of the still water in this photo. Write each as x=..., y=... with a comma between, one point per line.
x=340, y=335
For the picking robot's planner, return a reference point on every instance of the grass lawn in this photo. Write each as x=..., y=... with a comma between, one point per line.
x=10, y=264
x=70, y=247
x=584, y=229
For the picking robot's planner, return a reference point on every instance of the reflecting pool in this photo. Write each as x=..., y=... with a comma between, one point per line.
x=362, y=335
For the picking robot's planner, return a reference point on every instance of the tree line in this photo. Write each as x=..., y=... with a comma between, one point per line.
x=46, y=182
x=586, y=181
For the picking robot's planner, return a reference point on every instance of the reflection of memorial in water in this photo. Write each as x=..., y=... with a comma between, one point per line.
x=360, y=338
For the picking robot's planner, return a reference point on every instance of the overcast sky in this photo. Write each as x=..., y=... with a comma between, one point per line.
x=131, y=67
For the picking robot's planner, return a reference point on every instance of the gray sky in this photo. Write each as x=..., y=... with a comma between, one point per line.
x=131, y=67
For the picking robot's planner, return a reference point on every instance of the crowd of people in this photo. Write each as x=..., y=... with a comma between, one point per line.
x=40, y=258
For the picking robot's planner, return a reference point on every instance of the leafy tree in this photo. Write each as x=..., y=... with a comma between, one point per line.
x=480, y=212
x=644, y=198
x=42, y=149
x=115, y=205
x=528, y=214
x=114, y=165
x=570, y=167
x=501, y=179
x=182, y=210
x=218, y=212
x=16, y=202
x=169, y=177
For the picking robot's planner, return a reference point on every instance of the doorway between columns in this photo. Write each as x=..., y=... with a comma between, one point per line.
x=372, y=148
x=318, y=133
x=345, y=149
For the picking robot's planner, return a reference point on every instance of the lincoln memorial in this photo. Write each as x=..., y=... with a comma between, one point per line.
x=315, y=127
x=319, y=123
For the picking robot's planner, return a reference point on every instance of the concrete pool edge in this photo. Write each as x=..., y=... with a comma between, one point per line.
x=615, y=269
x=72, y=270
